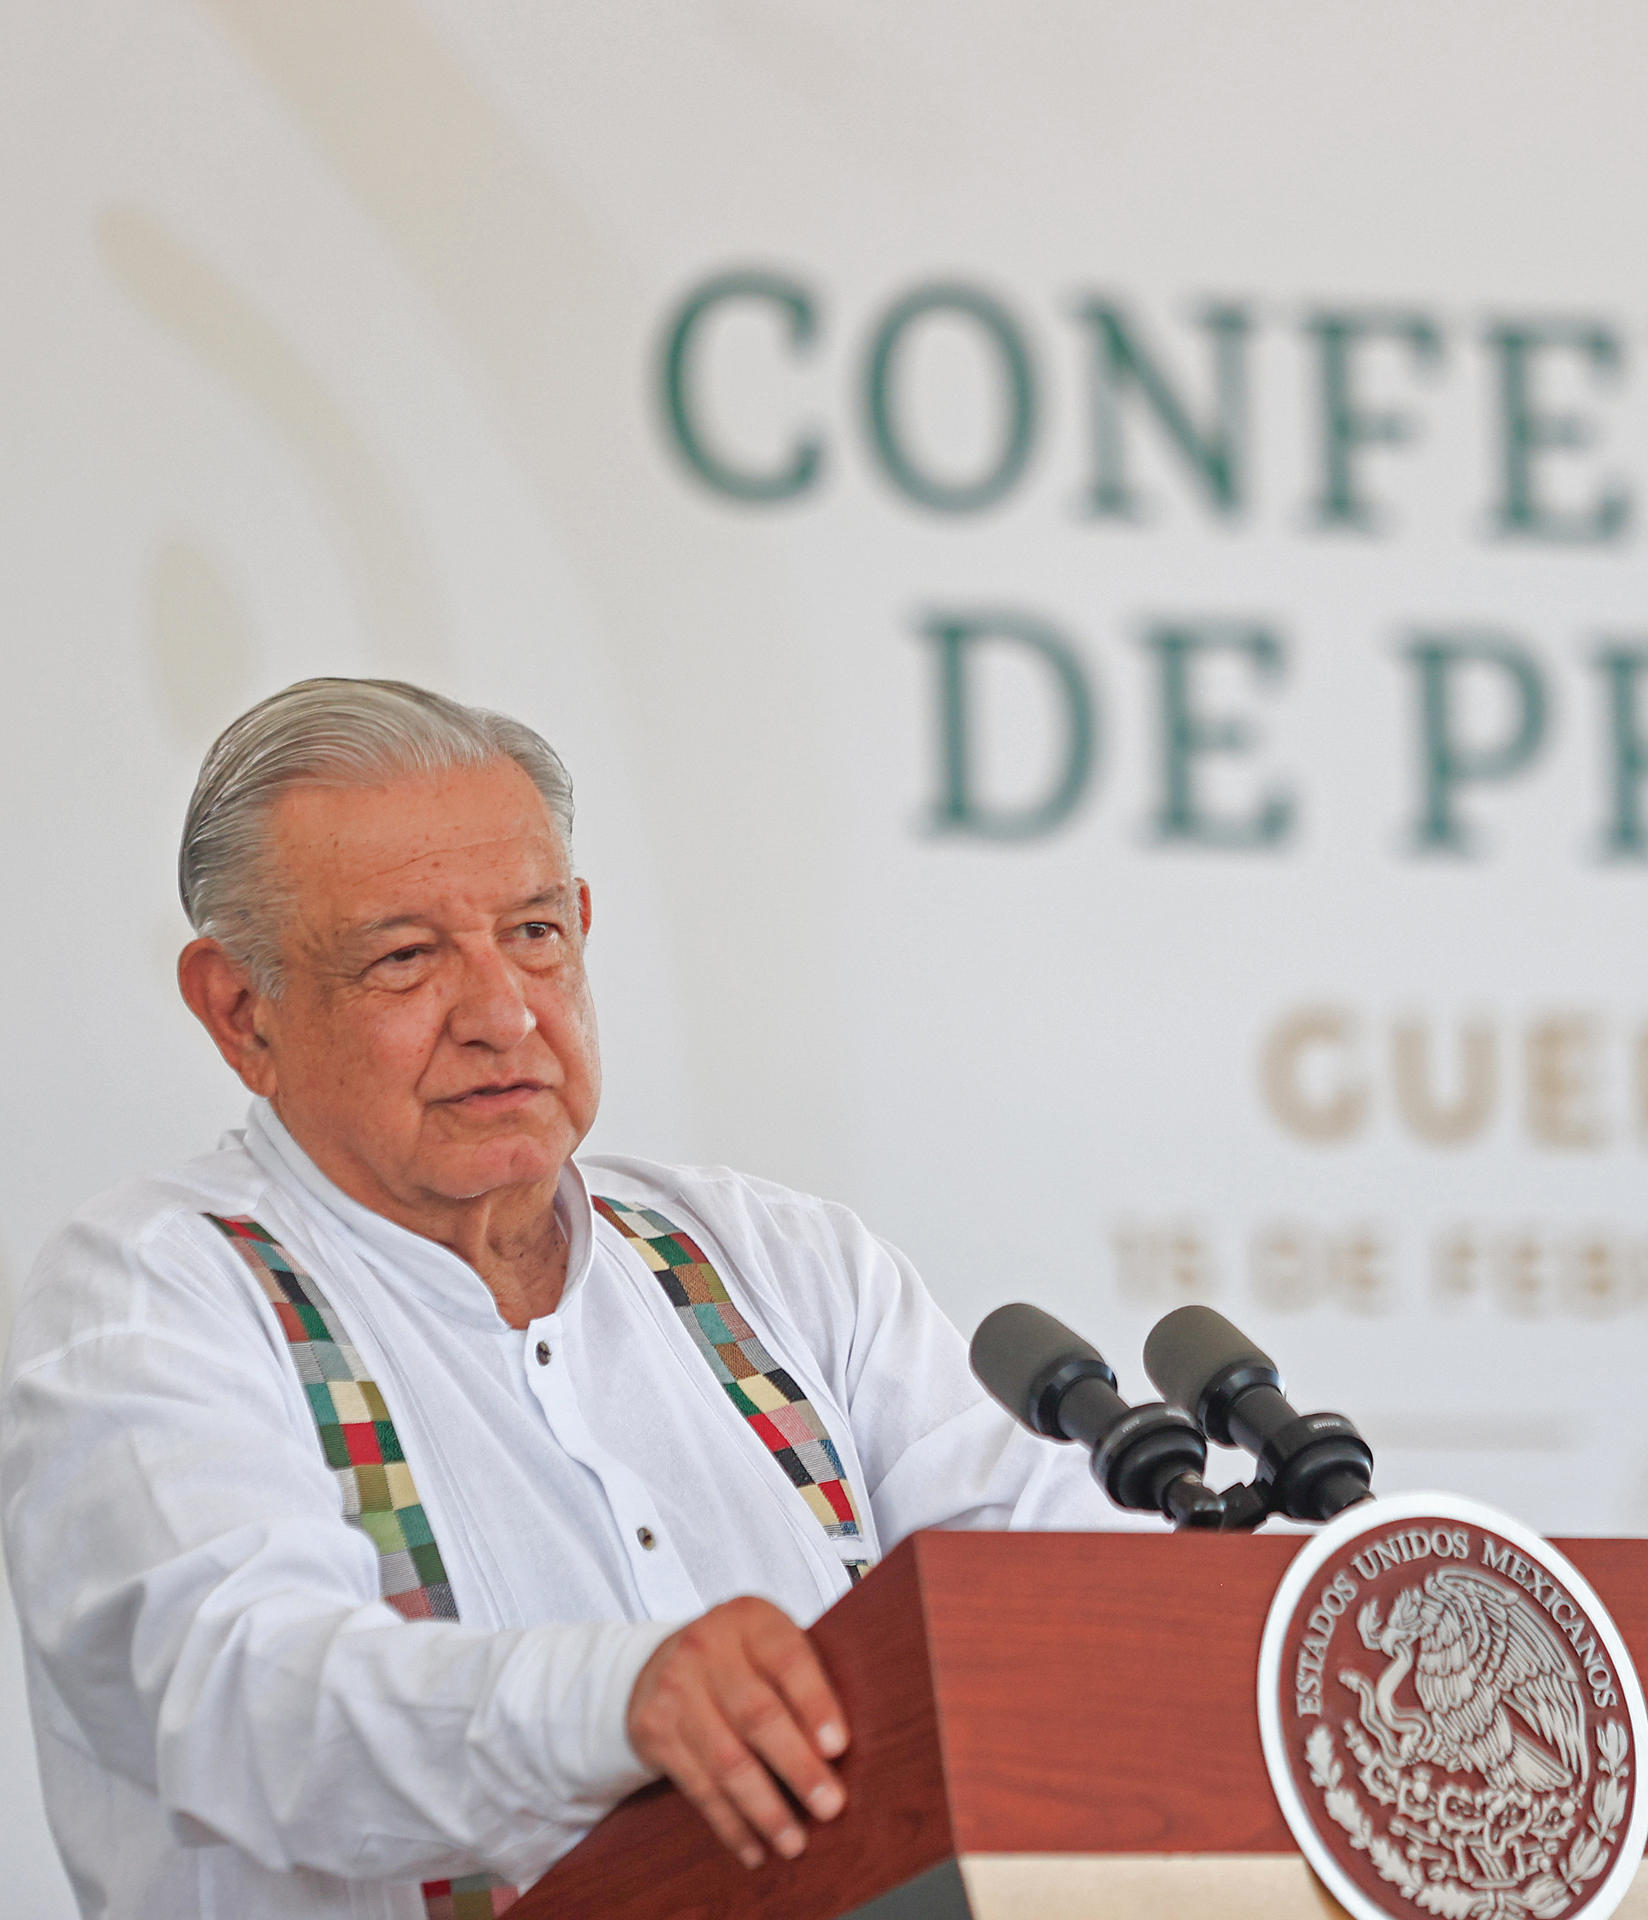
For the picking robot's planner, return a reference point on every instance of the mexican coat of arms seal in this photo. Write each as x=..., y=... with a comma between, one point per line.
x=1451, y=1720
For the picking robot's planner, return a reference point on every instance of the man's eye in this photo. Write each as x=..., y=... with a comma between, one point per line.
x=402, y=956
x=538, y=929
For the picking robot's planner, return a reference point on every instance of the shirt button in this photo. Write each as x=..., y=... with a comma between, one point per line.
x=542, y=1352
x=647, y=1537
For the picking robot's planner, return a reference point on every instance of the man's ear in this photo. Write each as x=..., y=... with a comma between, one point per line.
x=586, y=909
x=219, y=993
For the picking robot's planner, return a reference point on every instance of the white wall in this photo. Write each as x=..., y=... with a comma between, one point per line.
x=334, y=345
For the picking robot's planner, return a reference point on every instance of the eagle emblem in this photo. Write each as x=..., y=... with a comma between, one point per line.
x=1454, y=1744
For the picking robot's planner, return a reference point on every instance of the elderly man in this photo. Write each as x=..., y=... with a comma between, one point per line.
x=387, y=1493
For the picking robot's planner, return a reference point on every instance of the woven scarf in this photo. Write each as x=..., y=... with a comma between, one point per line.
x=763, y=1392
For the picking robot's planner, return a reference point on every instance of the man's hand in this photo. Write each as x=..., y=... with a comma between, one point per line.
x=734, y=1698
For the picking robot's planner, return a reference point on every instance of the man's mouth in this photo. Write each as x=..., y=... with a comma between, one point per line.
x=500, y=1097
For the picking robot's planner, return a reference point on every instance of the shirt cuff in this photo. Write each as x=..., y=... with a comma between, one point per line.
x=571, y=1690
x=610, y=1766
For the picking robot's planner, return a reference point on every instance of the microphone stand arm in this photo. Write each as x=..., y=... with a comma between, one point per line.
x=1192, y=1505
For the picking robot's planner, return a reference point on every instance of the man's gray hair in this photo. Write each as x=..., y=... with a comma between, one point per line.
x=326, y=733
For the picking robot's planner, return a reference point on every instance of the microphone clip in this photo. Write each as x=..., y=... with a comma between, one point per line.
x=1149, y=1458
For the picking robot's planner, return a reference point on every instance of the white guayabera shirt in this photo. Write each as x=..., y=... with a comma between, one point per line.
x=231, y=1723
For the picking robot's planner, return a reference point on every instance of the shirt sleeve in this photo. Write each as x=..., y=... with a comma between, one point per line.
x=211, y=1624
x=948, y=1455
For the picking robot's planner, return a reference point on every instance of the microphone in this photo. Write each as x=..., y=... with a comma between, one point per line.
x=1148, y=1458
x=1311, y=1466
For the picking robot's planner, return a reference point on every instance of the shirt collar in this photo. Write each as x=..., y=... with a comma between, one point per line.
x=433, y=1272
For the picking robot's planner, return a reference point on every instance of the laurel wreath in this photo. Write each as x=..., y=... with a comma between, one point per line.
x=1589, y=1854
x=1544, y=1897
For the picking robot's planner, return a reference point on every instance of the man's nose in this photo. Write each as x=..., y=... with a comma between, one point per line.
x=491, y=1008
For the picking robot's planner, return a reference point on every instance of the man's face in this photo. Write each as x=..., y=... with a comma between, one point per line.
x=434, y=1039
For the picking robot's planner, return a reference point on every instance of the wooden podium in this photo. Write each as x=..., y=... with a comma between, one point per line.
x=1053, y=1726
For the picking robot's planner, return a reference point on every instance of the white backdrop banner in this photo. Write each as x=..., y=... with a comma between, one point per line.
x=1088, y=563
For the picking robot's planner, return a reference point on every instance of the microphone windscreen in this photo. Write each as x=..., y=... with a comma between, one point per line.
x=1016, y=1348
x=1189, y=1348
